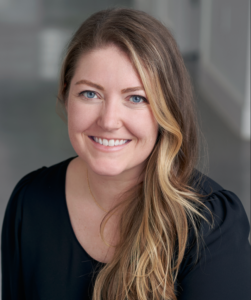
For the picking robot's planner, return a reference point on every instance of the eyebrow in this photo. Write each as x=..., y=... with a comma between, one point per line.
x=97, y=86
x=133, y=89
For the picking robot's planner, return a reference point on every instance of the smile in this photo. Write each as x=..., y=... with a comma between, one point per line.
x=109, y=143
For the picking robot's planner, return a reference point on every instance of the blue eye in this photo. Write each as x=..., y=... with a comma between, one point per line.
x=137, y=99
x=89, y=94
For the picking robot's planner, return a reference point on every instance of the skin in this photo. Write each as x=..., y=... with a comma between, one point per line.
x=106, y=100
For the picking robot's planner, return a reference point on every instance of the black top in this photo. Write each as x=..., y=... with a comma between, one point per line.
x=43, y=260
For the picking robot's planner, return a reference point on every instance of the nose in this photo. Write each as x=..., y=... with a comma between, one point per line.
x=110, y=115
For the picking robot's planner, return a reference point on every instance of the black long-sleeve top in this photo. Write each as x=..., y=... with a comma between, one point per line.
x=43, y=260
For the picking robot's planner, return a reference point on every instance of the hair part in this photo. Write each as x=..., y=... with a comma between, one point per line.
x=157, y=212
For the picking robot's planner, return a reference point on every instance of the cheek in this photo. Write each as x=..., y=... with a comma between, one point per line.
x=79, y=117
x=145, y=127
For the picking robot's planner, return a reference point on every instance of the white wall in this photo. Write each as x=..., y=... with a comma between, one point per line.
x=245, y=126
x=224, y=55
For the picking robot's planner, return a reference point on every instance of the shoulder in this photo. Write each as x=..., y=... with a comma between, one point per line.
x=219, y=200
x=225, y=206
x=224, y=210
x=204, y=185
x=43, y=176
x=36, y=187
x=225, y=232
x=219, y=268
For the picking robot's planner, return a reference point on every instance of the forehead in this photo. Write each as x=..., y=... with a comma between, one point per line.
x=106, y=64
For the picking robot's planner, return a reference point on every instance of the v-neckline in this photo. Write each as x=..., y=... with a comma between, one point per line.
x=67, y=162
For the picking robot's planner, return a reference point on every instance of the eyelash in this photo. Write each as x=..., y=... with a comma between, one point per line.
x=143, y=98
x=82, y=94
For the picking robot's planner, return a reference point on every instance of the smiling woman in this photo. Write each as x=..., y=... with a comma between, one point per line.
x=109, y=127
x=130, y=217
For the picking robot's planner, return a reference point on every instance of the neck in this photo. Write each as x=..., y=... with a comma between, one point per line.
x=107, y=191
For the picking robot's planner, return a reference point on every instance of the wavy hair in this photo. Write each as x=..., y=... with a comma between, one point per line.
x=158, y=212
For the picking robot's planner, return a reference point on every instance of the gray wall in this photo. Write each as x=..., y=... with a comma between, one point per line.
x=181, y=17
x=219, y=31
x=225, y=60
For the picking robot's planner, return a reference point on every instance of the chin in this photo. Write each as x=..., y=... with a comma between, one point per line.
x=107, y=170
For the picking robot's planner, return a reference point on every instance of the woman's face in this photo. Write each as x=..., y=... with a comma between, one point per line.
x=110, y=123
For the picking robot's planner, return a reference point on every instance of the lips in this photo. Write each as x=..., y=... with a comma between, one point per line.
x=110, y=142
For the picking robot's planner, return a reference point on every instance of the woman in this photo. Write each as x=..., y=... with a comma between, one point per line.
x=129, y=217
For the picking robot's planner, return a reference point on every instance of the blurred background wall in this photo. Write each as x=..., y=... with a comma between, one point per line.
x=214, y=39
x=219, y=32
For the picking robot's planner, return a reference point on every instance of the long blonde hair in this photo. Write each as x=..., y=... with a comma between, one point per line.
x=154, y=224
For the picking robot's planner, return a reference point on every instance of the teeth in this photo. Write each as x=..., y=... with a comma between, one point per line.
x=110, y=143
x=105, y=142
